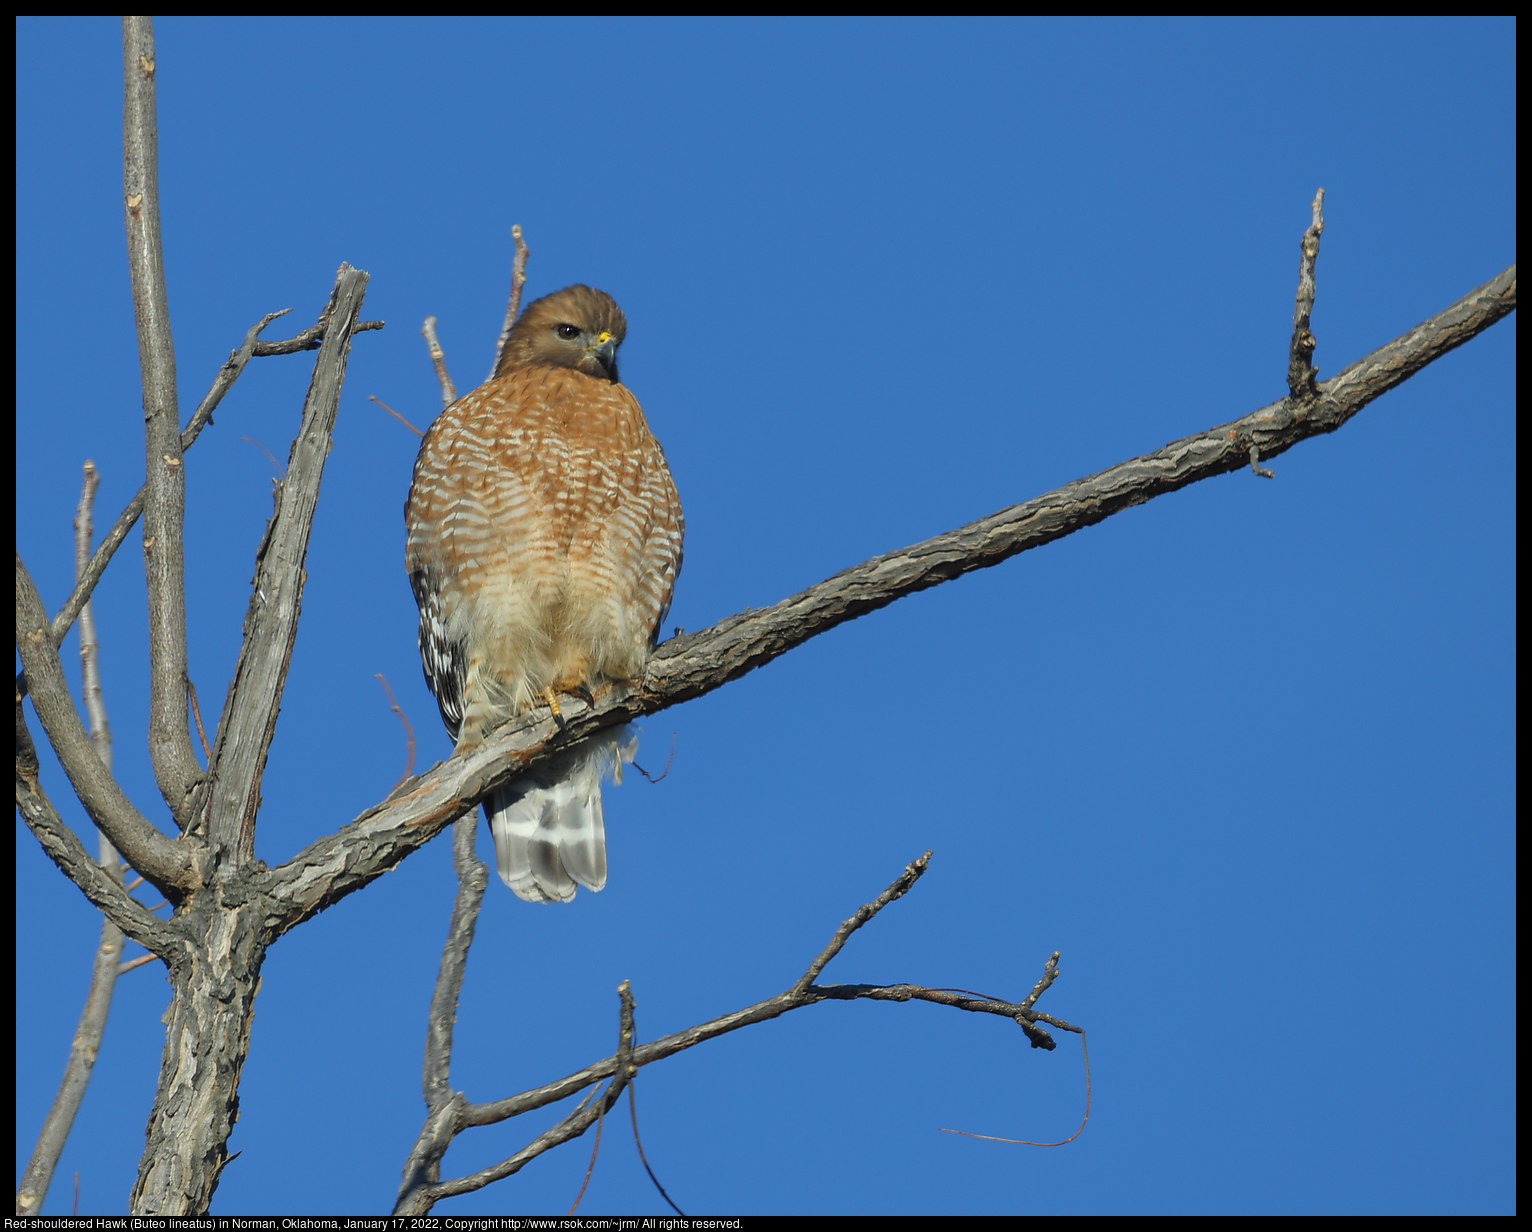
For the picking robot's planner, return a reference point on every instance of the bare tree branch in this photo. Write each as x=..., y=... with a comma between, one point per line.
x=165, y=863
x=62, y=846
x=83, y=1050
x=439, y=362
x=1300, y=367
x=126, y=520
x=170, y=747
x=395, y=414
x=696, y=663
x=409, y=731
x=450, y=1116
x=250, y=708
x=312, y=338
x=513, y=303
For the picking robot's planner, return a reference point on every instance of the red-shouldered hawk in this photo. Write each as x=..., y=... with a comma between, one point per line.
x=544, y=539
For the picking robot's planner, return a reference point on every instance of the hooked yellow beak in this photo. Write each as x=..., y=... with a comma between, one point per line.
x=604, y=348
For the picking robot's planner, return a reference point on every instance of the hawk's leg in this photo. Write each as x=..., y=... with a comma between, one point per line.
x=549, y=696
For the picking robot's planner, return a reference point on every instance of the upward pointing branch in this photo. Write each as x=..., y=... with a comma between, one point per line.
x=175, y=765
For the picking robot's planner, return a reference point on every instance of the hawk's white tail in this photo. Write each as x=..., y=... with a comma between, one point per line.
x=547, y=825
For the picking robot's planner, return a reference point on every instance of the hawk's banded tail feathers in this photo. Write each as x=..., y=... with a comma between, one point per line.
x=547, y=825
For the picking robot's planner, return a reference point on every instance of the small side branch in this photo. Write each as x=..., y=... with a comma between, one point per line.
x=901, y=886
x=439, y=362
x=310, y=339
x=1301, y=373
x=513, y=304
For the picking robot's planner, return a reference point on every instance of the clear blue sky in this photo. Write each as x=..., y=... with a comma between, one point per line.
x=1244, y=754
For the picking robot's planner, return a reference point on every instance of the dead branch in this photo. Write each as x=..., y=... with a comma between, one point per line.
x=513, y=303
x=395, y=414
x=450, y=1113
x=249, y=717
x=128, y=518
x=439, y=362
x=1300, y=367
x=86, y=1044
x=166, y=864
x=170, y=748
x=696, y=663
x=409, y=731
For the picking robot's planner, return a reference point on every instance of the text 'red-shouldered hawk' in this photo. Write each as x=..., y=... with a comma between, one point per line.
x=544, y=539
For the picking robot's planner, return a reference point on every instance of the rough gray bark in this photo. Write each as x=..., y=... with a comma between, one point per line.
x=222, y=926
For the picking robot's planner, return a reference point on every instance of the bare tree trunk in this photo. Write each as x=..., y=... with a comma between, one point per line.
x=207, y=1037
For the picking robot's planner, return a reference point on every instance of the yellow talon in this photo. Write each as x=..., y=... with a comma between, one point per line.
x=553, y=702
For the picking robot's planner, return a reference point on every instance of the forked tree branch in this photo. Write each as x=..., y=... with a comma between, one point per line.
x=308, y=340
x=449, y=1113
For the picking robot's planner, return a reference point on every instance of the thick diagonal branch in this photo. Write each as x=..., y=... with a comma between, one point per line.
x=250, y=708
x=166, y=864
x=689, y=666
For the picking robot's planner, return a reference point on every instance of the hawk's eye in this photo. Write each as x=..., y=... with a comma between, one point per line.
x=568, y=331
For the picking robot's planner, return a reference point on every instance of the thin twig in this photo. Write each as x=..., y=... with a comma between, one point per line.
x=513, y=303
x=900, y=887
x=409, y=732
x=638, y=1142
x=395, y=414
x=661, y=777
x=591, y=1167
x=439, y=362
x=1084, y=1053
x=191, y=689
x=310, y=339
x=280, y=469
x=136, y=962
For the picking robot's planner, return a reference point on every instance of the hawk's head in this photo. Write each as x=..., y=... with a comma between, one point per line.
x=578, y=327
